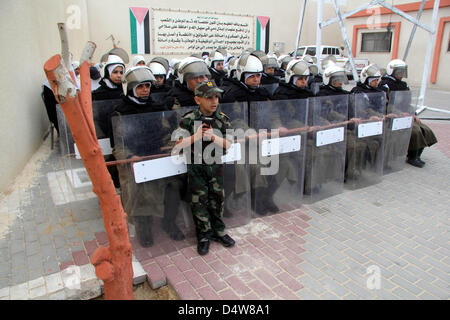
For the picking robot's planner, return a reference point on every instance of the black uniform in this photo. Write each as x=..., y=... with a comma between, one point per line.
x=364, y=88
x=269, y=79
x=286, y=91
x=238, y=91
x=180, y=96
x=50, y=105
x=217, y=76
x=329, y=90
x=159, y=93
x=104, y=92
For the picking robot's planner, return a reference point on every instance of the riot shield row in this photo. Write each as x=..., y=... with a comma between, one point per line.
x=283, y=153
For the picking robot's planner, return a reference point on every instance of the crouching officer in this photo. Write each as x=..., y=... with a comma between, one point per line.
x=205, y=181
x=421, y=135
x=145, y=200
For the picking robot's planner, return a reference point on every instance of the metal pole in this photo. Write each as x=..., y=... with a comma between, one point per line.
x=427, y=61
x=344, y=37
x=300, y=25
x=350, y=13
x=319, y=34
x=413, y=32
x=406, y=16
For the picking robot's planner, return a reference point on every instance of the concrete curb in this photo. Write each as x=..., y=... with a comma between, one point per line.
x=72, y=283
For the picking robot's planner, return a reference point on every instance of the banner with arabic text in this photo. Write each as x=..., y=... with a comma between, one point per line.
x=185, y=32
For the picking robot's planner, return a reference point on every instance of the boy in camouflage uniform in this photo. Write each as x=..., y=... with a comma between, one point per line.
x=205, y=178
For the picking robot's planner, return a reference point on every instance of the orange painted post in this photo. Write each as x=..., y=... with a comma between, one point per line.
x=113, y=264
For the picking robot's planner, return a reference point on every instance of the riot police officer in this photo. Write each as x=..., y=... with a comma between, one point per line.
x=216, y=67
x=421, y=135
x=111, y=83
x=191, y=72
x=246, y=86
x=153, y=198
x=296, y=80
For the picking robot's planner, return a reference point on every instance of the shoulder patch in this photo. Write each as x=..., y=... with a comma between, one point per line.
x=224, y=115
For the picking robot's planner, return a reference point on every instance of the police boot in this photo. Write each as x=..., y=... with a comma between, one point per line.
x=143, y=227
x=226, y=211
x=419, y=153
x=268, y=197
x=171, y=204
x=258, y=204
x=413, y=159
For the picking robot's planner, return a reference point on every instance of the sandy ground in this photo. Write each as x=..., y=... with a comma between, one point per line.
x=143, y=291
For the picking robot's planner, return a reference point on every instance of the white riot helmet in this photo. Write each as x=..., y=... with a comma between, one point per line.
x=192, y=67
x=136, y=60
x=296, y=68
x=157, y=69
x=284, y=59
x=213, y=57
x=137, y=75
x=369, y=73
x=163, y=61
x=112, y=63
x=232, y=67
x=397, y=67
x=248, y=63
x=269, y=62
x=333, y=73
x=312, y=64
x=328, y=62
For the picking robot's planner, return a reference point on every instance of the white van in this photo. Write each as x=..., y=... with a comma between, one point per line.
x=341, y=60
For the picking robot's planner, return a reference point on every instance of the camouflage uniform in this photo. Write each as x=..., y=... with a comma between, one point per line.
x=205, y=181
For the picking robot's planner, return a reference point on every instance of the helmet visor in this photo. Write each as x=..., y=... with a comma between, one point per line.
x=401, y=72
x=339, y=77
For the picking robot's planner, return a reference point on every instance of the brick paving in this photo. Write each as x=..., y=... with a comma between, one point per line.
x=325, y=250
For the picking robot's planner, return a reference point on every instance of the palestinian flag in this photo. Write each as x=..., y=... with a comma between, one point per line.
x=140, y=30
x=262, y=33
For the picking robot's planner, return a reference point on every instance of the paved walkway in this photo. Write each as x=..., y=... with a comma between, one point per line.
x=387, y=241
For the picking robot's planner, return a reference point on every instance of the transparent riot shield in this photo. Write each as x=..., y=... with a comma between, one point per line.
x=101, y=110
x=326, y=145
x=153, y=182
x=398, y=125
x=365, y=139
x=277, y=156
x=70, y=184
x=270, y=87
x=236, y=169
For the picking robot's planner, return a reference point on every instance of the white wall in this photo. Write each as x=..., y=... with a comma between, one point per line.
x=417, y=52
x=29, y=36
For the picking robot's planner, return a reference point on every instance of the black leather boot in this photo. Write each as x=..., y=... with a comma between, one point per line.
x=143, y=227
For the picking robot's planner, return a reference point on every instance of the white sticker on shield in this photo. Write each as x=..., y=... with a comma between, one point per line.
x=401, y=123
x=370, y=129
x=233, y=153
x=271, y=147
x=105, y=146
x=329, y=136
x=159, y=168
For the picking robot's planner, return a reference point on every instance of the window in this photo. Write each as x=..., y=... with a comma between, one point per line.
x=311, y=51
x=376, y=42
x=300, y=52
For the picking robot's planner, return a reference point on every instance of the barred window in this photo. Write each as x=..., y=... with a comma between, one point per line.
x=376, y=42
